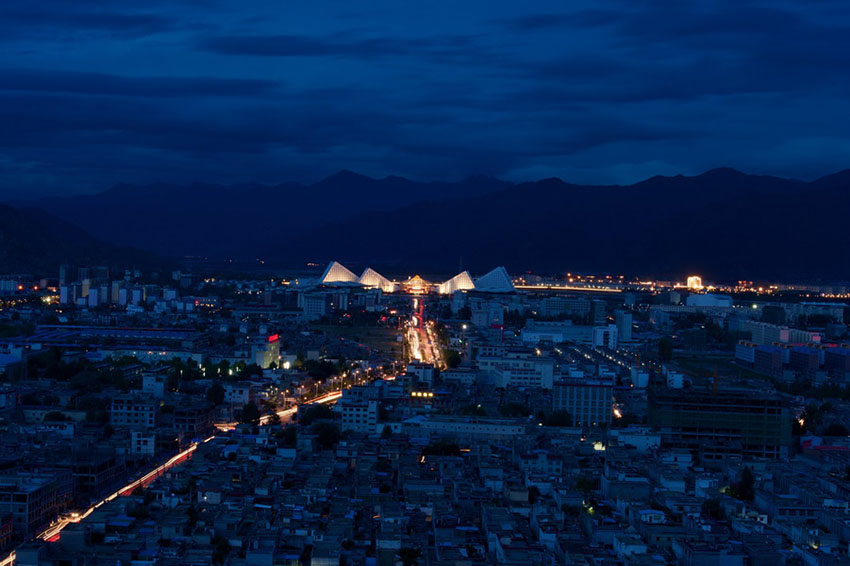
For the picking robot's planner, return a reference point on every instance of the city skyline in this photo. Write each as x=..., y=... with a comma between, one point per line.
x=424, y=284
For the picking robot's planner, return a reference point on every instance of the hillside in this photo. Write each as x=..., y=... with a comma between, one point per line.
x=33, y=241
x=237, y=220
x=722, y=223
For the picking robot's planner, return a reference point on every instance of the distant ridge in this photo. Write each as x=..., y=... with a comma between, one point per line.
x=235, y=221
x=723, y=223
x=33, y=241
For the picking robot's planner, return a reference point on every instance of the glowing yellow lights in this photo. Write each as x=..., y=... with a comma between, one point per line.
x=427, y=394
x=695, y=283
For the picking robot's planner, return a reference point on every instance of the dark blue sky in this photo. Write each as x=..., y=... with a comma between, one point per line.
x=94, y=93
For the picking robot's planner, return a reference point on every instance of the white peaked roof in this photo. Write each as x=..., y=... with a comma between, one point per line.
x=371, y=278
x=460, y=282
x=497, y=281
x=337, y=273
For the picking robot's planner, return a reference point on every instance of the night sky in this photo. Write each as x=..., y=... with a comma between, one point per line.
x=95, y=93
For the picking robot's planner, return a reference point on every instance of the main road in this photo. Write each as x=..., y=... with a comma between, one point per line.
x=424, y=346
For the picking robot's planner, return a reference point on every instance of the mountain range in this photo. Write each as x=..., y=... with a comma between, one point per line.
x=36, y=242
x=724, y=224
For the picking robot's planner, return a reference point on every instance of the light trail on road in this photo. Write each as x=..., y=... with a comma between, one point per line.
x=265, y=419
x=51, y=533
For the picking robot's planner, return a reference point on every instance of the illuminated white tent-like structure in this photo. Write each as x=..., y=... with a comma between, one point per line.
x=371, y=278
x=497, y=281
x=460, y=282
x=337, y=273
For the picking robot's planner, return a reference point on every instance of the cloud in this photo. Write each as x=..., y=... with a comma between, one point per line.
x=555, y=20
x=26, y=19
x=342, y=45
x=601, y=91
x=107, y=84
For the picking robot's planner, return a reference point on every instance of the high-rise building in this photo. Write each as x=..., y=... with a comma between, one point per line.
x=588, y=400
x=623, y=320
x=836, y=361
x=597, y=312
x=605, y=337
x=767, y=360
x=718, y=423
x=805, y=362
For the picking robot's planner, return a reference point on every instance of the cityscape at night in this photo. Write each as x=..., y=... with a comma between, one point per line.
x=440, y=284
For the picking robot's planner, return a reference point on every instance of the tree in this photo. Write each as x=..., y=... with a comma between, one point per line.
x=745, y=488
x=773, y=314
x=215, y=393
x=250, y=414
x=441, y=448
x=312, y=413
x=222, y=549
x=274, y=419
x=585, y=484
x=514, y=410
x=252, y=370
x=836, y=429
x=558, y=418
x=452, y=358
x=289, y=435
x=409, y=556
x=320, y=370
x=327, y=435
x=712, y=509
x=665, y=349
x=473, y=411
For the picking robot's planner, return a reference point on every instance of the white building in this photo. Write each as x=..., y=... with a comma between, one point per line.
x=238, y=394
x=143, y=443
x=154, y=384
x=710, y=300
x=525, y=370
x=605, y=336
x=359, y=415
x=556, y=332
x=424, y=372
x=133, y=412
x=466, y=429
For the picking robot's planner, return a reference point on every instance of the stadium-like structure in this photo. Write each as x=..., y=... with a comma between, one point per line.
x=496, y=281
